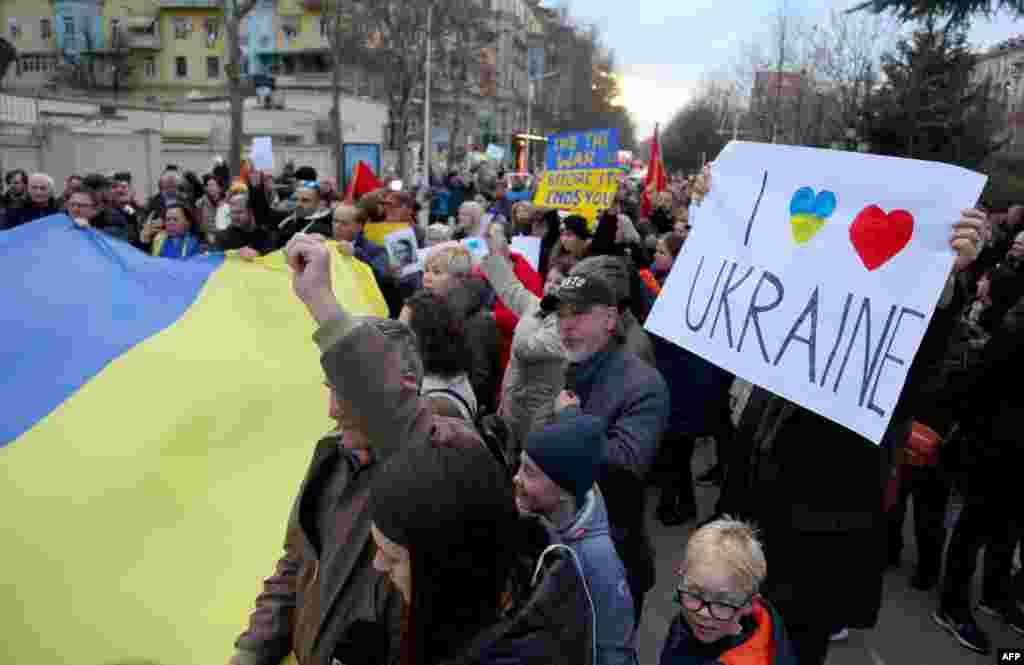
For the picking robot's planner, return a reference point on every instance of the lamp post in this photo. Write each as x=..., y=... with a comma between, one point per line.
x=427, y=138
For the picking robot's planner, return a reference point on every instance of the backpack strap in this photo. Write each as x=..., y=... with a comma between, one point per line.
x=455, y=397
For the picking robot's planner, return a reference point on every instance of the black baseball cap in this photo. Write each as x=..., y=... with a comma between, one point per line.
x=580, y=291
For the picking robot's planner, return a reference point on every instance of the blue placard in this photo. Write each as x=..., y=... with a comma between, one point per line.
x=356, y=152
x=592, y=149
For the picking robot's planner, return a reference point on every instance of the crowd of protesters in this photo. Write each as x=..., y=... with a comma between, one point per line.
x=483, y=497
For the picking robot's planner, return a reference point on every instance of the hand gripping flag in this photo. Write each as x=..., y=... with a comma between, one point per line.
x=158, y=416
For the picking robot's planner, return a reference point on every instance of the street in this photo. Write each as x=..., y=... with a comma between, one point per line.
x=905, y=635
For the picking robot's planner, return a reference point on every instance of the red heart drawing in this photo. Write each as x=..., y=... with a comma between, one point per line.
x=878, y=236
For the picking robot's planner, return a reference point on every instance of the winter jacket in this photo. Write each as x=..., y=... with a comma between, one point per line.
x=372, y=255
x=699, y=390
x=590, y=537
x=818, y=496
x=763, y=641
x=285, y=224
x=27, y=213
x=480, y=330
x=320, y=222
x=209, y=216
x=320, y=591
x=536, y=369
x=637, y=340
x=632, y=397
x=181, y=247
x=551, y=619
x=1007, y=286
x=505, y=317
x=989, y=407
x=234, y=237
x=114, y=223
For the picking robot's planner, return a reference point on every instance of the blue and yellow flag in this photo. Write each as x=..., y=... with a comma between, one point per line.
x=158, y=416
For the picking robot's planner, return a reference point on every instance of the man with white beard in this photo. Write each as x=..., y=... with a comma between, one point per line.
x=606, y=380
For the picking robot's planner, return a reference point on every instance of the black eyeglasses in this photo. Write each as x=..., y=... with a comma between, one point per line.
x=719, y=610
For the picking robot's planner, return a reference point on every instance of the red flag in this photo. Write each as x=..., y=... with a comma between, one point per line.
x=363, y=181
x=656, y=181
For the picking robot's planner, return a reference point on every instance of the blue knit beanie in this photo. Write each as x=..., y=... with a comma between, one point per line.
x=570, y=451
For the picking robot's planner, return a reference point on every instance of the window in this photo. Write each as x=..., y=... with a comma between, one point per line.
x=212, y=29
x=45, y=29
x=213, y=67
x=30, y=64
x=181, y=67
x=290, y=27
x=149, y=68
x=182, y=26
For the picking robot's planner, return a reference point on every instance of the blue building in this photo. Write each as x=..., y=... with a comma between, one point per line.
x=79, y=27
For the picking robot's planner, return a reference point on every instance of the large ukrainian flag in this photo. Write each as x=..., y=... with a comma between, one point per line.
x=158, y=416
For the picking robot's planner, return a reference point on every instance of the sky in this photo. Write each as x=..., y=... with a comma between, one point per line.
x=665, y=48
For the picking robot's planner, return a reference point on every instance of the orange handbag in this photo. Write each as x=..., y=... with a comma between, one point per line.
x=922, y=447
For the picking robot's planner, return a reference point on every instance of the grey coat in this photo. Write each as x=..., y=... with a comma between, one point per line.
x=536, y=367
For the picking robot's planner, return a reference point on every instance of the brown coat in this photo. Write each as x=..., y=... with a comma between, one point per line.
x=314, y=597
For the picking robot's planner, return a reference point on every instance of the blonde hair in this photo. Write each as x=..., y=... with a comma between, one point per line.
x=731, y=544
x=455, y=258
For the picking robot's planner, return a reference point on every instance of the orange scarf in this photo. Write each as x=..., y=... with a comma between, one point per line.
x=650, y=281
x=759, y=649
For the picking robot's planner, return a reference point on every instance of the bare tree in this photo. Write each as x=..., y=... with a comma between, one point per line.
x=234, y=12
x=397, y=43
x=344, y=40
x=469, y=29
x=848, y=51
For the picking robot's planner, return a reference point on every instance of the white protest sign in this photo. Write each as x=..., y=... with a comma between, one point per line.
x=403, y=250
x=815, y=273
x=529, y=247
x=262, y=153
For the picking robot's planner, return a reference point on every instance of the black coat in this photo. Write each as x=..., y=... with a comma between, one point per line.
x=818, y=495
x=28, y=213
x=261, y=239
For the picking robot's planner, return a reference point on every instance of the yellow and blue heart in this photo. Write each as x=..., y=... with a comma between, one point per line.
x=808, y=211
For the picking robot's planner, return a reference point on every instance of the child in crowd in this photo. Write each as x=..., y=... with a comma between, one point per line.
x=723, y=619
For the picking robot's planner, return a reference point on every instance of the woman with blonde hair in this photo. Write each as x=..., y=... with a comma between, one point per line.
x=447, y=272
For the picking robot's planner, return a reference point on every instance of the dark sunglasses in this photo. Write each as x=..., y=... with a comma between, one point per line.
x=718, y=610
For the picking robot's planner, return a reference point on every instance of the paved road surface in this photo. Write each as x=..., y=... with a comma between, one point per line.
x=905, y=634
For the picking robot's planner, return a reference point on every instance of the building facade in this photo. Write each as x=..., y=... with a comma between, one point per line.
x=176, y=49
x=1003, y=68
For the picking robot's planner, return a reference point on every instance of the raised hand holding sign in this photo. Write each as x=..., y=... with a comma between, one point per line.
x=815, y=273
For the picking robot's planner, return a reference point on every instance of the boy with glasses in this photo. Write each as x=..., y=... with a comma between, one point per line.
x=722, y=617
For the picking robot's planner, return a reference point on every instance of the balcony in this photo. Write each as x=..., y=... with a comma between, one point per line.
x=190, y=4
x=141, y=41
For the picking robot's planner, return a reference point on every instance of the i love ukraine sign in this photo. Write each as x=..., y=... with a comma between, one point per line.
x=815, y=273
